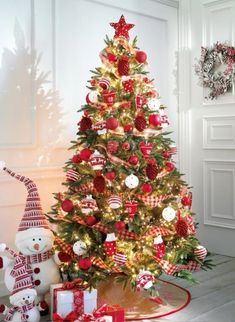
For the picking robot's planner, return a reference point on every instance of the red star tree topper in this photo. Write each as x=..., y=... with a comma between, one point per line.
x=121, y=28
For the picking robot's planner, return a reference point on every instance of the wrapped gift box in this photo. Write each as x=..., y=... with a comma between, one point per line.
x=66, y=303
x=116, y=312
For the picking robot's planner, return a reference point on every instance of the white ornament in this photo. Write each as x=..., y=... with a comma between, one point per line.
x=144, y=280
x=154, y=104
x=79, y=248
x=132, y=181
x=114, y=202
x=168, y=213
x=200, y=252
x=88, y=205
x=97, y=160
x=158, y=240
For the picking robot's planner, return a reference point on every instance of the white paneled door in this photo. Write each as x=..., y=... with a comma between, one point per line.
x=209, y=126
x=47, y=48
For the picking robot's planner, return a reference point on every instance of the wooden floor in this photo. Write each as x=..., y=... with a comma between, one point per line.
x=213, y=300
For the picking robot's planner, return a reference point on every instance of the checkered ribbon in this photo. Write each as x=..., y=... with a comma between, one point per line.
x=66, y=248
x=85, y=187
x=101, y=227
x=170, y=269
x=151, y=201
x=158, y=230
x=97, y=261
x=125, y=234
x=191, y=226
x=79, y=220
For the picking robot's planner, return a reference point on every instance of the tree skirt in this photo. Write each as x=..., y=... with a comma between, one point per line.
x=137, y=305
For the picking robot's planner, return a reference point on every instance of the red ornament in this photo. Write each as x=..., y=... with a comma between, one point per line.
x=85, y=154
x=99, y=183
x=151, y=171
x=127, y=128
x=126, y=146
x=84, y=263
x=110, y=175
x=140, y=123
x=119, y=225
x=85, y=124
x=181, y=226
x=169, y=166
x=93, y=82
x=166, y=154
x=111, y=57
x=155, y=119
x=76, y=158
x=140, y=56
x=123, y=66
x=145, y=148
x=146, y=187
x=67, y=205
x=186, y=200
x=90, y=220
x=133, y=159
x=128, y=85
x=112, y=146
x=108, y=96
x=159, y=247
x=112, y=123
x=121, y=28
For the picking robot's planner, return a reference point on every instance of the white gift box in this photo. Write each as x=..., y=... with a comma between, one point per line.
x=63, y=301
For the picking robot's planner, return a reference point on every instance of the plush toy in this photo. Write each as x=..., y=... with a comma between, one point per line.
x=34, y=241
x=22, y=298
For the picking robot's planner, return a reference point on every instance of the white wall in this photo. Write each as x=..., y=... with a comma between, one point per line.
x=37, y=123
x=207, y=128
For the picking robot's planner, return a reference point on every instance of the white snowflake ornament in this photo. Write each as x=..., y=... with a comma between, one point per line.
x=168, y=214
x=132, y=181
x=154, y=104
x=79, y=248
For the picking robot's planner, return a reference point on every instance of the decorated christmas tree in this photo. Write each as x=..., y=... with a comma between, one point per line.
x=125, y=210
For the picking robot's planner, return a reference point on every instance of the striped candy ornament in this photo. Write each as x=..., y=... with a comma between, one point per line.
x=114, y=201
x=120, y=259
x=72, y=175
x=104, y=83
x=200, y=252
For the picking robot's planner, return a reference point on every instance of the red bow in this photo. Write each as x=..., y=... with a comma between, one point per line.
x=72, y=316
x=77, y=283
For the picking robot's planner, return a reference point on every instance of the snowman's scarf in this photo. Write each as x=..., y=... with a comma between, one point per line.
x=22, y=310
x=24, y=261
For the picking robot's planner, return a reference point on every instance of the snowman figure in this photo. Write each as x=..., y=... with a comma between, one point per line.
x=22, y=298
x=34, y=241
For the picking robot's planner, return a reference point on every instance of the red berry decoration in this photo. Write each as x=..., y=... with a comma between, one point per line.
x=155, y=119
x=85, y=154
x=76, y=158
x=128, y=85
x=112, y=123
x=90, y=220
x=84, y=263
x=151, y=171
x=140, y=123
x=133, y=159
x=181, y=227
x=112, y=146
x=126, y=146
x=169, y=166
x=110, y=175
x=99, y=183
x=146, y=188
x=127, y=128
x=140, y=56
x=67, y=205
x=166, y=154
x=85, y=124
x=119, y=225
x=123, y=66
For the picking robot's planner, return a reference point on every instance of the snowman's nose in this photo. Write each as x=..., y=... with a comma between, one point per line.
x=36, y=246
x=26, y=301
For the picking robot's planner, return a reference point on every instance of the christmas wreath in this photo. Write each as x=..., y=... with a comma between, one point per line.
x=216, y=68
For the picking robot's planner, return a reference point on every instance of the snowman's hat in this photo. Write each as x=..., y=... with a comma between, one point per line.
x=33, y=216
x=23, y=285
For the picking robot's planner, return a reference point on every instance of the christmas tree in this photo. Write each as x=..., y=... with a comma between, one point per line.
x=126, y=211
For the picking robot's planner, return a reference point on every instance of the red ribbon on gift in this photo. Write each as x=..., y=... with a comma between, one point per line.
x=77, y=283
x=72, y=316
